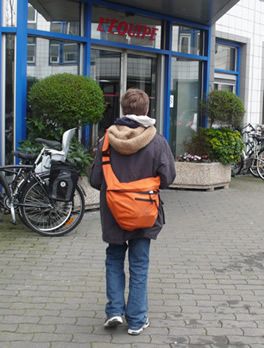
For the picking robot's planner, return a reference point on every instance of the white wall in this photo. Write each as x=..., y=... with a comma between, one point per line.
x=245, y=23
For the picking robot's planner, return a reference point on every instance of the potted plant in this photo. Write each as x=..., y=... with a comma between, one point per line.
x=60, y=102
x=211, y=151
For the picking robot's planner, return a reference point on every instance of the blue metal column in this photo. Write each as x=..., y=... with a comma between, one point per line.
x=87, y=57
x=21, y=71
x=167, y=82
x=238, y=70
x=1, y=77
x=206, y=82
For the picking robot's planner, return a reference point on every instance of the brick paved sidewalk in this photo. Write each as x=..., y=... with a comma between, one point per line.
x=206, y=282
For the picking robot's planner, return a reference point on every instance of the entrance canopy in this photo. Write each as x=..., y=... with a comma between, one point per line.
x=199, y=11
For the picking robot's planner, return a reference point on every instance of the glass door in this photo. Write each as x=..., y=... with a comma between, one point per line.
x=142, y=74
x=115, y=72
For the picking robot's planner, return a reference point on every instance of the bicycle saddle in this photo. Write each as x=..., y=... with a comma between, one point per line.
x=50, y=143
x=24, y=155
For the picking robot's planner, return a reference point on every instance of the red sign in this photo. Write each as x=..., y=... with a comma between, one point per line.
x=131, y=29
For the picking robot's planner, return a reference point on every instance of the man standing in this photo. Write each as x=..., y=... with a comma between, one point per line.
x=137, y=152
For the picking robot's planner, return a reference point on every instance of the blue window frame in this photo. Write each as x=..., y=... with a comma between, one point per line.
x=227, y=65
x=166, y=50
x=65, y=39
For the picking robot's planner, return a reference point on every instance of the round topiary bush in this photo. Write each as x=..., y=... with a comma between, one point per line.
x=224, y=108
x=66, y=101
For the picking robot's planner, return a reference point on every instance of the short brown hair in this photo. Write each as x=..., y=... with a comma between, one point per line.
x=135, y=102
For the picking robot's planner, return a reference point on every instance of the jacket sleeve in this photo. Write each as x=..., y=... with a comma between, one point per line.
x=96, y=174
x=166, y=168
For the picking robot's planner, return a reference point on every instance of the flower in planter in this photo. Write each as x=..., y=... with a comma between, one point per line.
x=194, y=158
x=222, y=145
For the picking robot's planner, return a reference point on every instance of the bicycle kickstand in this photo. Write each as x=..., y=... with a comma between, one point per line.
x=13, y=214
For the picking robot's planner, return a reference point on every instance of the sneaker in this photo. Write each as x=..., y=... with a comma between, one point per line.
x=113, y=321
x=135, y=332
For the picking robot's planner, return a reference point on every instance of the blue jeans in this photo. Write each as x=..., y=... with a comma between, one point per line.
x=137, y=303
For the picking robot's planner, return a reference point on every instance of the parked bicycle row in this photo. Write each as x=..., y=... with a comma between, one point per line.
x=252, y=158
x=46, y=194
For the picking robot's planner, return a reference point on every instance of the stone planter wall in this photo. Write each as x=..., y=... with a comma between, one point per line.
x=202, y=175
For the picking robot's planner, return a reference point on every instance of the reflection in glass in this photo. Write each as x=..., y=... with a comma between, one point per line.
x=126, y=27
x=45, y=17
x=142, y=74
x=185, y=99
x=43, y=52
x=31, y=50
x=187, y=40
x=9, y=99
x=10, y=13
x=105, y=70
x=225, y=57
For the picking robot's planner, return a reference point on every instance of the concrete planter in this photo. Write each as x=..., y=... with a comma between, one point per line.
x=202, y=175
x=92, y=197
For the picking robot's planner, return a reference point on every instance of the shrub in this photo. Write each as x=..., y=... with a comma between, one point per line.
x=222, y=145
x=58, y=103
x=64, y=101
x=224, y=108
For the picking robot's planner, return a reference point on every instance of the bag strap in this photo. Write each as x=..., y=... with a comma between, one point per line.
x=106, y=145
x=112, y=182
x=109, y=175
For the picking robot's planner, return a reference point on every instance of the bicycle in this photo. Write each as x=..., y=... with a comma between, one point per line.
x=28, y=191
x=250, y=157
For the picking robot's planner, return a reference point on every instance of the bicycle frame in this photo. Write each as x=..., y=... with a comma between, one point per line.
x=22, y=173
x=12, y=189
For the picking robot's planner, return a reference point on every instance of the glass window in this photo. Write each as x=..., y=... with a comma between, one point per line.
x=70, y=53
x=48, y=51
x=142, y=74
x=47, y=16
x=63, y=52
x=32, y=14
x=225, y=82
x=225, y=57
x=9, y=13
x=105, y=70
x=56, y=27
x=126, y=27
x=42, y=67
x=187, y=40
x=185, y=94
x=54, y=52
x=31, y=50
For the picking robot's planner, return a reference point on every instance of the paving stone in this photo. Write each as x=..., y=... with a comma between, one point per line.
x=205, y=279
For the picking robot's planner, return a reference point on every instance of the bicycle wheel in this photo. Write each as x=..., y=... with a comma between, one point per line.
x=260, y=164
x=253, y=167
x=236, y=167
x=46, y=216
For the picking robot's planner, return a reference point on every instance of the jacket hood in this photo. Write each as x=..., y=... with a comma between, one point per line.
x=127, y=141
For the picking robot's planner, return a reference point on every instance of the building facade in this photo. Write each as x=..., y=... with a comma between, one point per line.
x=242, y=28
x=175, y=52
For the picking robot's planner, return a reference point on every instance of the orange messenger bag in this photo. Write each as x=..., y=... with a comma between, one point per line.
x=134, y=204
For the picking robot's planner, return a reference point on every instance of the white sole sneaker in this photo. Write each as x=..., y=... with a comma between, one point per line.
x=134, y=332
x=113, y=321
